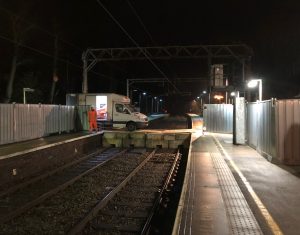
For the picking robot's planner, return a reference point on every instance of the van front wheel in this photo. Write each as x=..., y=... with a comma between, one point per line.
x=131, y=126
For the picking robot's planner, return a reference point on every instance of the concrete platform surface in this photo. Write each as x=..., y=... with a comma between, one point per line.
x=232, y=189
x=31, y=144
x=276, y=186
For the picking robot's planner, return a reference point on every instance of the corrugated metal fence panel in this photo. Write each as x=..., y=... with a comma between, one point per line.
x=6, y=124
x=51, y=113
x=261, y=127
x=252, y=120
x=82, y=117
x=266, y=126
x=218, y=118
x=288, y=131
x=26, y=122
x=19, y=122
x=67, y=118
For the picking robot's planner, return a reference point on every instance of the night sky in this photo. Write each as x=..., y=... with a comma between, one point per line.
x=270, y=28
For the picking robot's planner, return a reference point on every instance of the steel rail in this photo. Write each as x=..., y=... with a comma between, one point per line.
x=35, y=179
x=102, y=203
x=159, y=197
x=41, y=198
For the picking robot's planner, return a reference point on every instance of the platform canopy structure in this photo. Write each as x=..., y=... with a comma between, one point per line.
x=237, y=52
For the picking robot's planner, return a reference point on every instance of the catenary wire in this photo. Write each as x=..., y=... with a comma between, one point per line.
x=145, y=28
x=40, y=28
x=7, y=11
x=49, y=55
x=136, y=44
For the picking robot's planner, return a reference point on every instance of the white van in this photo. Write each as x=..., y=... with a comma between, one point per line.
x=112, y=109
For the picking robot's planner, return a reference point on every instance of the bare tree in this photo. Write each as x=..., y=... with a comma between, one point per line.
x=55, y=76
x=19, y=31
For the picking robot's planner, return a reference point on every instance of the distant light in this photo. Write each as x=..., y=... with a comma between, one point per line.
x=144, y=93
x=232, y=93
x=218, y=97
x=28, y=89
x=160, y=100
x=204, y=92
x=252, y=83
x=155, y=97
x=135, y=90
x=198, y=97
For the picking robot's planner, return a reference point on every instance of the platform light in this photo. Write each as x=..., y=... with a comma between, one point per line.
x=26, y=89
x=253, y=83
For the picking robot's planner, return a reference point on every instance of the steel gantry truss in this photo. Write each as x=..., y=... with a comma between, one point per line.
x=130, y=82
x=240, y=52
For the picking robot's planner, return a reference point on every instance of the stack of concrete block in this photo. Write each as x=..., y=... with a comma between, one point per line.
x=112, y=139
x=180, y=139
x=135, y=139
x=156, y=139
x=145, y=140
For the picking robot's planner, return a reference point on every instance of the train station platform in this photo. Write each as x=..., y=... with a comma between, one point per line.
x=228, y=189
x=8, y=149
x=231, y=189
x=22, y=160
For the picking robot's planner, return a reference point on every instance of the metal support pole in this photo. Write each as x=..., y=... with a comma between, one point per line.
x=127, y=88
x=243, y=70
x=24, y=96
x=209, y=77
x=140, y=99
x=260, y=90
x=146, y=104
x=84, y=82
x=152, y=107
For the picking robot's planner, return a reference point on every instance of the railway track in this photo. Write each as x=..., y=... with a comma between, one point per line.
x=81, y=195
x=130, y=207
x=20, y=198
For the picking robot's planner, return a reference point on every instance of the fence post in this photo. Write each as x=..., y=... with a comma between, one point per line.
x=14, y=121
x=59, y=117
x=239, y=121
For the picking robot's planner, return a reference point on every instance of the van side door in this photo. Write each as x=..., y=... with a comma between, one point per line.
x=121, y=115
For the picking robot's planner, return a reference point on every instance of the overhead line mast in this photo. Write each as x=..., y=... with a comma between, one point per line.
x=239, y=52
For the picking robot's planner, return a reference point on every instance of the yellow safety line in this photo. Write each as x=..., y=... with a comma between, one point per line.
x=269, y=219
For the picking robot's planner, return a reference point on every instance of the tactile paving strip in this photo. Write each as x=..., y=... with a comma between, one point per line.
x=239, y=214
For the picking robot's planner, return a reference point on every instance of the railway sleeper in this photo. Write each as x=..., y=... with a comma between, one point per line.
x=136, y=195
x=133, y=203
x=126, y=214
x=113, y=230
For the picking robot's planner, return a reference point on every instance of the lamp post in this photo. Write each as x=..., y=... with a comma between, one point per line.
x=161, y=104
x=25, y=89
x=253, y=83
x=201, y=101
x=153, y=104
x=200, y=97
x=145, y=95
